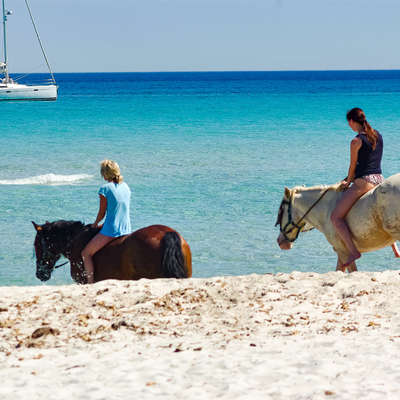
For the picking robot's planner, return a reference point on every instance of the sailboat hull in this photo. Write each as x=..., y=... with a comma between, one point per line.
x=27, y=92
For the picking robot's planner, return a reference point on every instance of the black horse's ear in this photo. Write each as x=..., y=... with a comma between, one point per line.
x=36, y=226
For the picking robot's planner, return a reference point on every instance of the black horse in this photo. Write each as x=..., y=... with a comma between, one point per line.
x=156, y=251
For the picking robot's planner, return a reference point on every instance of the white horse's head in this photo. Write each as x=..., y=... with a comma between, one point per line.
x=290, y=220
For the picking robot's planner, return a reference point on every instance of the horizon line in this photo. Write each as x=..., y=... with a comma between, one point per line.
x=213, y=71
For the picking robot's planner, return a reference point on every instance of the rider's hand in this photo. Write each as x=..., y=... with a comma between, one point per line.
x=344, y=185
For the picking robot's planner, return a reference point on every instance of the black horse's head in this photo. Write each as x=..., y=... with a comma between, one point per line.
x=51, y=242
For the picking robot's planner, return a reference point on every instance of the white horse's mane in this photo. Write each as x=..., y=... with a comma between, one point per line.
x=334, y=186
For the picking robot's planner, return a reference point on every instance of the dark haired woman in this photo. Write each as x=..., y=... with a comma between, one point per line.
x=364, y=174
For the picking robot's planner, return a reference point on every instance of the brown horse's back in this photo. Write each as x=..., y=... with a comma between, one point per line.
x=144, y=253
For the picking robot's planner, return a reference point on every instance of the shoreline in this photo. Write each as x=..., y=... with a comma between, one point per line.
x=295, y=336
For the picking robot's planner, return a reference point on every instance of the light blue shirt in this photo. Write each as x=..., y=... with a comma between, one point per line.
x=118, y=197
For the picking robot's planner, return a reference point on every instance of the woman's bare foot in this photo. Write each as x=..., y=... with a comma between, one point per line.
x=351, y=259
x=90, y=278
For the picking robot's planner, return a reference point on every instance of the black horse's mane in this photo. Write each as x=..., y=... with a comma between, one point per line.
x=63, y=225
x=63, y=222
x=64, y=233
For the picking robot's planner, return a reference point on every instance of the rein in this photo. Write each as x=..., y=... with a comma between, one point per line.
x=296, y=225
x=60, y=265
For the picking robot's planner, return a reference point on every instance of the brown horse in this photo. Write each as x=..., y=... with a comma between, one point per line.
x=156, y=251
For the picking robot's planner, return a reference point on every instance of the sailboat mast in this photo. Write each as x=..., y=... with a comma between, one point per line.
x=40, y=42
x=5, y=43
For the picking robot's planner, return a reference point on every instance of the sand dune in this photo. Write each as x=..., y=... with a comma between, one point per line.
x=285, y=336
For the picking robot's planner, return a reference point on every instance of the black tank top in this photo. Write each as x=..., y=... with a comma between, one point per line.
x=369, y=161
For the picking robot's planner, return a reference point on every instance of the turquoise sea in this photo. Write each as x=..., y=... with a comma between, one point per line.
x=208, y=154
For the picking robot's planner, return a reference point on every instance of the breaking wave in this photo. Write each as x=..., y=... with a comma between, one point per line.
x=47, y=179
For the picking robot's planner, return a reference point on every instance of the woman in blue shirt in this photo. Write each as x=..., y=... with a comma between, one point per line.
x=115, y=198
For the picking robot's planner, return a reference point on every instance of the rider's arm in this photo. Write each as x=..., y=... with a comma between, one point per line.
x=355, y=145
x=102, y=210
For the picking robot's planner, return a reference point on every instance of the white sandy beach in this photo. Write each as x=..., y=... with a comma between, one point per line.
x=285, y=336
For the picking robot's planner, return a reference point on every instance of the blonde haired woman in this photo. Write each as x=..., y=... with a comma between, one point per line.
x=115, y=197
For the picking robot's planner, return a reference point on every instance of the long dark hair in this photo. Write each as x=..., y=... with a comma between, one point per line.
x=358, y=115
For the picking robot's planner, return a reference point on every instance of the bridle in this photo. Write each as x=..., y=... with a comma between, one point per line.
x=56, y=239
x=290, y=226
x=52, y=255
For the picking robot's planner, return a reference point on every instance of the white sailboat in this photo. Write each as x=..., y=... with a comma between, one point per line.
x=10, y=90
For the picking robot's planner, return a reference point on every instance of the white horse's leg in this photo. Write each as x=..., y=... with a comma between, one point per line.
x=352, y=267
x=339, y=265
x=395, y=250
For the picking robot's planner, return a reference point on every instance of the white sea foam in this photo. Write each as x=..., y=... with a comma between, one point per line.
x=47, y=179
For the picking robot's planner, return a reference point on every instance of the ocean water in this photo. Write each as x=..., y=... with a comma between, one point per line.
x=208, y=154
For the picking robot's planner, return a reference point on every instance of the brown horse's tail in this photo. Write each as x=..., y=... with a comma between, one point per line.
x=173, y=262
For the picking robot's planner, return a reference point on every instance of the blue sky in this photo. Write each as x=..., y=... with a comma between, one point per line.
x=193, y=35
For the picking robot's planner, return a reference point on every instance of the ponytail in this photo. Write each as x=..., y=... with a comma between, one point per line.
x=118, y=178
x=371, y=134
x=358, y=115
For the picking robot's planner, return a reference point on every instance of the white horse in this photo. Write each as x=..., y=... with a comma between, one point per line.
x=374, y=220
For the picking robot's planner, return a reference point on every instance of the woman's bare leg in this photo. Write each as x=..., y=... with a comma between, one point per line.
x=350, y=196
x=98, y=242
